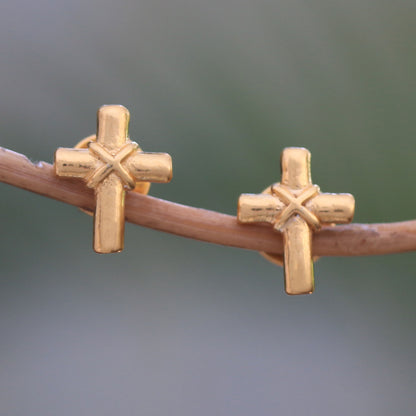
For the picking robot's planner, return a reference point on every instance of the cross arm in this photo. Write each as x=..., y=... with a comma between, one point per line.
x=258, y=208
x=332, y=208
x=74, y=162
x=150, y=167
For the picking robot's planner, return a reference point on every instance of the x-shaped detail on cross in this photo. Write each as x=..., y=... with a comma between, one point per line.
x=112, y=164
x=295, y=205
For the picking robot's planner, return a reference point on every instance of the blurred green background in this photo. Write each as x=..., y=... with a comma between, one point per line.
x=177, y=327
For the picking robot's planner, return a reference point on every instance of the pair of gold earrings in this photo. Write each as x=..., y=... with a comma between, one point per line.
x=112, y=164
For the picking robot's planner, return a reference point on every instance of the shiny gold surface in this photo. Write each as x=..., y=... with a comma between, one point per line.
x=296, y=208
x=111, y=165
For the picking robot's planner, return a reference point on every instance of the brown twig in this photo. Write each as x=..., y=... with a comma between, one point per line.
x=204, y=225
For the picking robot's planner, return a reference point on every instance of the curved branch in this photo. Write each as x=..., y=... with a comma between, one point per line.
x=204, y=225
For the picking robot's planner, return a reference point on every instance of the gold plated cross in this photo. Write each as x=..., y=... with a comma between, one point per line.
x=296, y=208
x=111, y=165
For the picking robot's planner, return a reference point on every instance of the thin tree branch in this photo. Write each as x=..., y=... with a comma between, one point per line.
x=204, y=225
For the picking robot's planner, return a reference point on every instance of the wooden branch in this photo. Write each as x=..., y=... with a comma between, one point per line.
x=204, y=225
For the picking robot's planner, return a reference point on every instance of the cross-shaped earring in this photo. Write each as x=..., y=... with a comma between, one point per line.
x=111, y=164
x=296, y=208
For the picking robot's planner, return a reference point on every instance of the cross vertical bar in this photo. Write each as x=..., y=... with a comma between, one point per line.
x=112, y=130
x=112, y=126
x=297, y=235
x=109, y=216
x=295, y=164
x=297, y=243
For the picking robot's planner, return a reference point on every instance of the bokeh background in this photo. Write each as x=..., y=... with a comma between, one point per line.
x=177, y=327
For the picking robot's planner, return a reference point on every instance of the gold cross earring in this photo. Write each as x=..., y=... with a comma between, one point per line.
x=112, y=164
x=296, y=208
